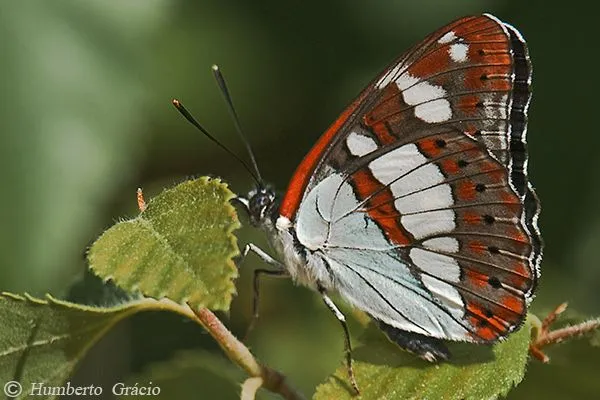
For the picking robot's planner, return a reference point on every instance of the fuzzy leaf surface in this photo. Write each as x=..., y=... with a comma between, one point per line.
x=383, y=371
x=180, y=247
x=42, y=340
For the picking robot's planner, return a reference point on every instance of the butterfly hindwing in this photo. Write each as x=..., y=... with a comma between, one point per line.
x=418, y=196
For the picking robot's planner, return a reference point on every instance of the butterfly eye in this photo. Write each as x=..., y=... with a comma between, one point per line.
x=263, y=201
x=260, y=202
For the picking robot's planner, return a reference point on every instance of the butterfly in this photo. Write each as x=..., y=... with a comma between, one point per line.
x=415, y=205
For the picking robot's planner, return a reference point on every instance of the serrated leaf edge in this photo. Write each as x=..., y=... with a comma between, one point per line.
x=230, y=209
x=122, y=311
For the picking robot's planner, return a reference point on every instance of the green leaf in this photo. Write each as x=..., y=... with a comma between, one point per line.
x=189, y=374
x=181, y=247
x=383, y=371
x=41, y=341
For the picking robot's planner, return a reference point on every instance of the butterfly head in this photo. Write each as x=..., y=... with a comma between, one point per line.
x=260, y=205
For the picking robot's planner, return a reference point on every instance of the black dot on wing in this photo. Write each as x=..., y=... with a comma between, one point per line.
x=488, y=219
x=494, y=249
x=462, y=163
x=494, y=282
x=482, y=322
x=440, y=143
x=488, y=313
x=480, y=187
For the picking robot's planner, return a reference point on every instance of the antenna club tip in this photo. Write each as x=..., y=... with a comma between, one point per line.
x=215, y=67
x=176, y=102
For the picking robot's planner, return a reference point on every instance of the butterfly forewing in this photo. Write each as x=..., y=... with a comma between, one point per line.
x=418, y=195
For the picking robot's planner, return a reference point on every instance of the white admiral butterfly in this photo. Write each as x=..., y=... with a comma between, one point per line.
x=415, y=204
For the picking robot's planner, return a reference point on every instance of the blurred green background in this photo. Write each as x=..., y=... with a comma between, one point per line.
x=85, y=117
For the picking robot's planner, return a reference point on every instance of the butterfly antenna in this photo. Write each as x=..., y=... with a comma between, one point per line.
x=223, y=86
x=179, y=106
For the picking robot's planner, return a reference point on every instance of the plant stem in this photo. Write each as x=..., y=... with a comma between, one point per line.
x=568, y=332
x=237, y=352
x=546, y=337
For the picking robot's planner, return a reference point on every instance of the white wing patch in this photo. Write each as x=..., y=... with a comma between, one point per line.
x=360, y=145
x=417, y=187
x=429, y=223
x=429, y=199
x=445, y=267
x=397, y=163
x=445, y=293
x=459, y=52
x=434, y=111
x=445, y=244
x=430, y=104
x=416, y=91
x=447, y=38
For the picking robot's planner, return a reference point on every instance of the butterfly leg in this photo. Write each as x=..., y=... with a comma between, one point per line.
x=348, y=345
x=280, y=272
x=427, y=348
x=251, y=247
